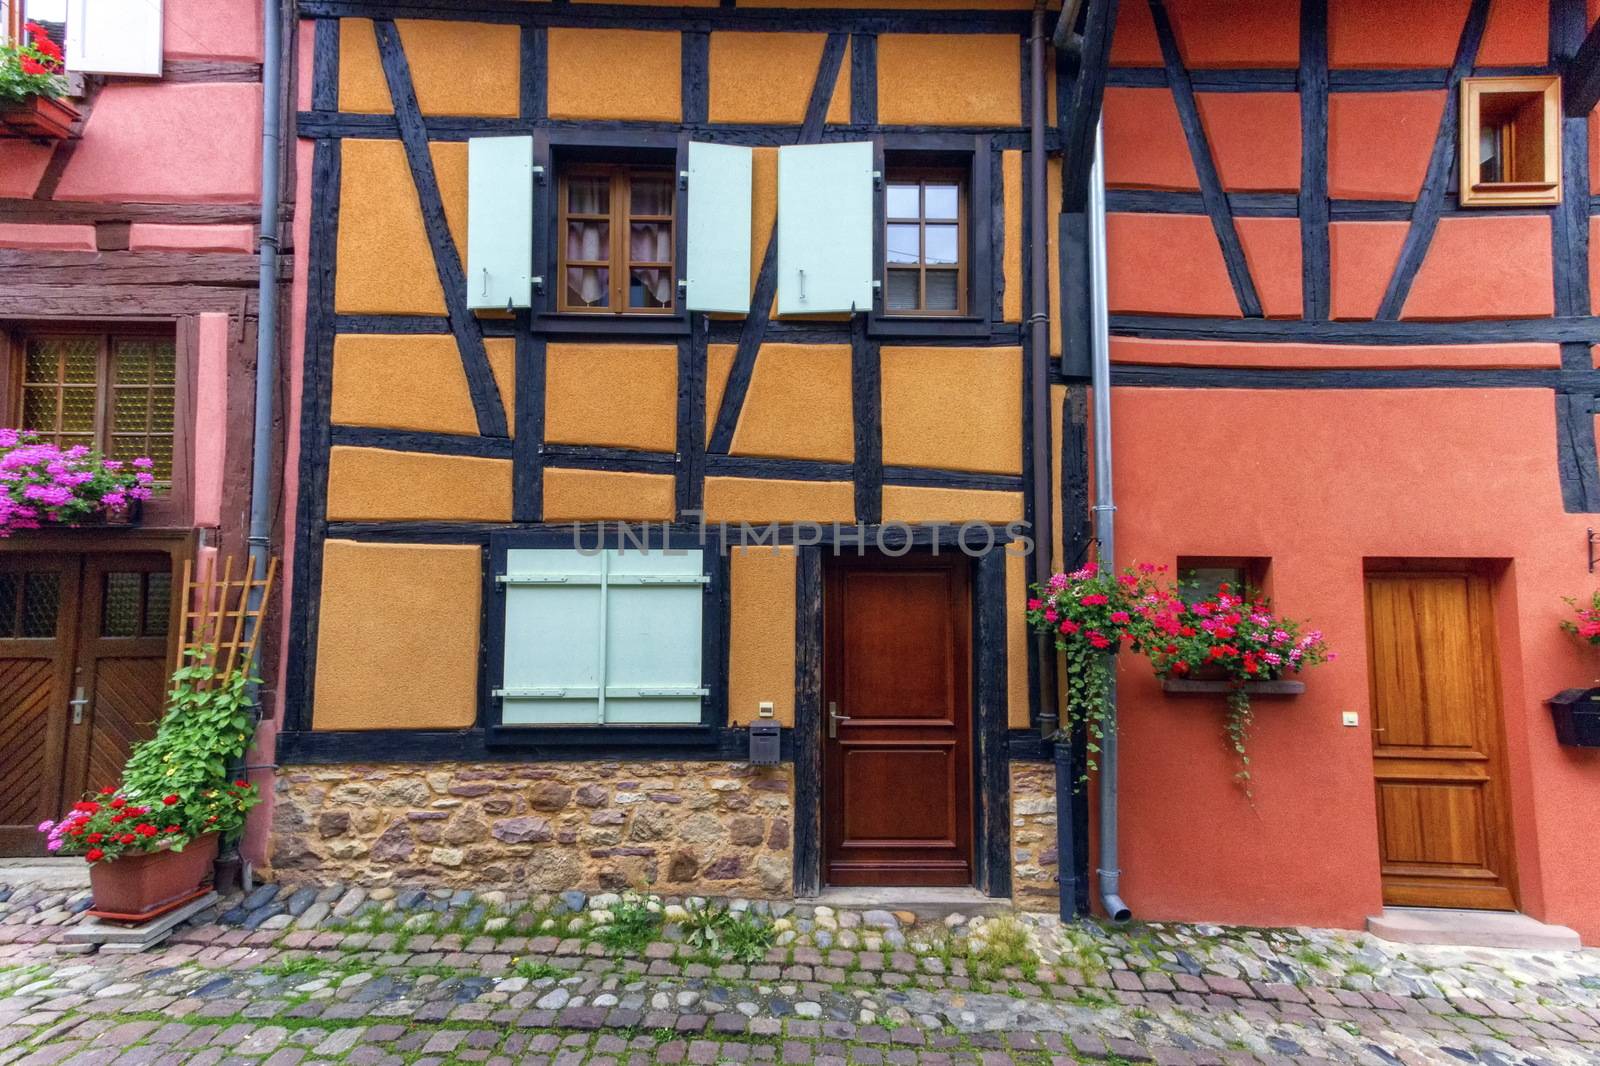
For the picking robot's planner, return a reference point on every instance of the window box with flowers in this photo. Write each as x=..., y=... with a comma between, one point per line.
x=45, y=485
x=1230, y=645
x=31, y=87
x=1576, y=711
x=150, y=842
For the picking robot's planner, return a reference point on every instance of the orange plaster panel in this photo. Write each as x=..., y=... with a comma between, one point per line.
x=761, y=633
x=768, y=77
x=763, y=208
x=798, y=405
x=1379, y=143
x=613, y=395
x=916, y=503
x=1134, y=42
x=1145, y=147
x=22, y=164
x=464, y=68
x=450, y=171
x=1226, y=33
x=1361, y=259
x=1160, y=352
x=378, y=485
x=596, y=495
x=1516, y=34
x=953, y=408
x=949, y=79
x=381, y=662
x=1011, y=267
x=1594, y=263
x=1272, y=251
x=1053, y=250
x=1383, y=33
x=385, y=261
x=413, y=382
x=761, y=500
x=1016, y=641
x=1167, y=264
x=1485, y=266
x=1254, y=138
x=362, y=87
x=622, y=74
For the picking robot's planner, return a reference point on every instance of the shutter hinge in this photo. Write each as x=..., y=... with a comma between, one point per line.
x=877, y=179
x=683, y=179
x=539, y=174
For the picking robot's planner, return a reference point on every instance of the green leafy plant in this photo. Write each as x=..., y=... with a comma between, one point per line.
x=746, y=938
x=702, y=930
x=533, y=969
x=31, y=68
x=633, y=925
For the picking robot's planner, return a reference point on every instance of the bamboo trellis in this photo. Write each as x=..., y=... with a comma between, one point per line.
x=220, y=628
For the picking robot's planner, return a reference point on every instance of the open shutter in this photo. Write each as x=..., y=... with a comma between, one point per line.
x=825, y=228
x=608, y=638
x=114, y=37
x=718, y=269
x=499, y=222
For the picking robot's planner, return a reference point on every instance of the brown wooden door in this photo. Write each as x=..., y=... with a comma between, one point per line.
x=1443, y=825
x=83, y=671
x=897, y=761
x=38, y=621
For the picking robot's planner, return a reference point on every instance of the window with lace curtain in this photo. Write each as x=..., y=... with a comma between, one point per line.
x=111, y=392
x=617, y=240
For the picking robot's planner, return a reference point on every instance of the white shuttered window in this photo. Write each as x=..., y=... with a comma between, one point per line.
x=610, y=638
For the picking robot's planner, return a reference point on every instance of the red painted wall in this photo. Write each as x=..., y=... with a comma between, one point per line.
x=1320, y=480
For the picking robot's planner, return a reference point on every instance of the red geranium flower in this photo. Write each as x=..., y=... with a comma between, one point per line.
x=146, y=830
x=241, y=784
x=170, y=800
x=119, y=803
x=95, y=838
x=94, y=855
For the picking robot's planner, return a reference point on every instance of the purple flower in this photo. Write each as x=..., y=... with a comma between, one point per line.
x=46, y=826
x=144, y=463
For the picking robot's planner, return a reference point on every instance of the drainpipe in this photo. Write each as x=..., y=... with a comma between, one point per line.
x=1105, y=510
x=259, y=539
x=1039, y=364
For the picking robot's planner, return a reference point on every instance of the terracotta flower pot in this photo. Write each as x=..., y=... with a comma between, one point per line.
x=140, y=885
x=38, y=117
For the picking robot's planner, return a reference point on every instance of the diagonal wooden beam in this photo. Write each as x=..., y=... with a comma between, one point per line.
x=1436, y=183
x=1082, y=112
x=486, y=403
x=1580, y=79
x=754, y=329
x=1211, y=194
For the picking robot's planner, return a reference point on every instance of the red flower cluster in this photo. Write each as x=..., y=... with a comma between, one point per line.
x=1585, y=623
x=108, y=827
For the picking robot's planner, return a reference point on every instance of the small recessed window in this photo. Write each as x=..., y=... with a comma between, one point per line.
x=1204, y=578
x=1510, y=141
x=617, y=240
x=925, y=243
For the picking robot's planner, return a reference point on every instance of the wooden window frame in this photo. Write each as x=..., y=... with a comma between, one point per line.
x=620, y=218
x=171, y=507
x=924, y=176
x=1255, y=570
x=1543, y=192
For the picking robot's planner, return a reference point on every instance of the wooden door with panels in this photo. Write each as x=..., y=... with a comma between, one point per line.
x=897, y=720
x=1444, y=826
x=84, y=656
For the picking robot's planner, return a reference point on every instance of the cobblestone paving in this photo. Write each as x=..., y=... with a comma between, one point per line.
x=340, y=975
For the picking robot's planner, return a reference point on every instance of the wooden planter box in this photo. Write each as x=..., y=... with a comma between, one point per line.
x=137, y=887
x=1175, y=686
x=38, y=118
x=1577, y=717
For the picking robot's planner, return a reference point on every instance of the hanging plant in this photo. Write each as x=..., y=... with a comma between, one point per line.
x=1585, y=621
x=1091, y=613
x=31, y=68
x=1236, y=638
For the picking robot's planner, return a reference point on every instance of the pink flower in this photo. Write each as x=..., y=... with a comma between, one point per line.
x=1094, y=599
x=1120, y=617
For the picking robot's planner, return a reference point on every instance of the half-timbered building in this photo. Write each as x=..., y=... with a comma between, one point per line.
x=593, y=295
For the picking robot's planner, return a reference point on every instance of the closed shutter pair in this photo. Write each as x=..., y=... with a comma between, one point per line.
x=825, y=230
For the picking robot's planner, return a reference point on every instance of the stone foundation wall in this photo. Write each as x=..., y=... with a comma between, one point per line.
x=1033, y=836
x=691, y=827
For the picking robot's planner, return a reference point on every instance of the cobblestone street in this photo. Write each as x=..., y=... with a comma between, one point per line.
x=338, y=975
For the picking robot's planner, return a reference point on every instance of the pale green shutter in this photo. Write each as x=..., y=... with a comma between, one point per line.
x=718, y=228
x=499, y=222
x=825, y=228
x=609, y=638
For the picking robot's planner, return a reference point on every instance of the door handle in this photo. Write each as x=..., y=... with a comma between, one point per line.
x=78, y=704
x=834, y=718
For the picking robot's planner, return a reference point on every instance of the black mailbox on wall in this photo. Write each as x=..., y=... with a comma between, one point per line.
x=1577, y=715
x=764, y=743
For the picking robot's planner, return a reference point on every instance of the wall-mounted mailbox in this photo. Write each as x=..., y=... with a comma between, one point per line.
x=764, y=738
x=1577, y=715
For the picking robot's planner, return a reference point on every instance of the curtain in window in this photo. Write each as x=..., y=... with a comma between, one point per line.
x=588, y=239
x=652, y=243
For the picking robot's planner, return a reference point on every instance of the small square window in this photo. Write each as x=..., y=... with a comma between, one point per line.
x=925, y=243
x=617, y=240
x=1206, y=577
x=1510, y=141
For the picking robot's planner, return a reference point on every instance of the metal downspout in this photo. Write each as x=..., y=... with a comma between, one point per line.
x=1105, y=509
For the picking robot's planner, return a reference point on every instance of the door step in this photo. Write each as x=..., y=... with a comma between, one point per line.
x=1478, y=929
x=925, y=903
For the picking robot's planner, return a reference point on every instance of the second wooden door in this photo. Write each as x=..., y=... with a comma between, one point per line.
x=1443, y=824
x=897, y=752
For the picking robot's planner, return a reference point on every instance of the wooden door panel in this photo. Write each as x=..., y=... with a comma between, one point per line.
x=37, y=594
x=127, y=701
x=897, y=774
x=1443, y=826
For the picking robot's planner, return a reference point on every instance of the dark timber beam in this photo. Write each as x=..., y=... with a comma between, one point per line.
x=1581, y=79
x=1083, y=111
